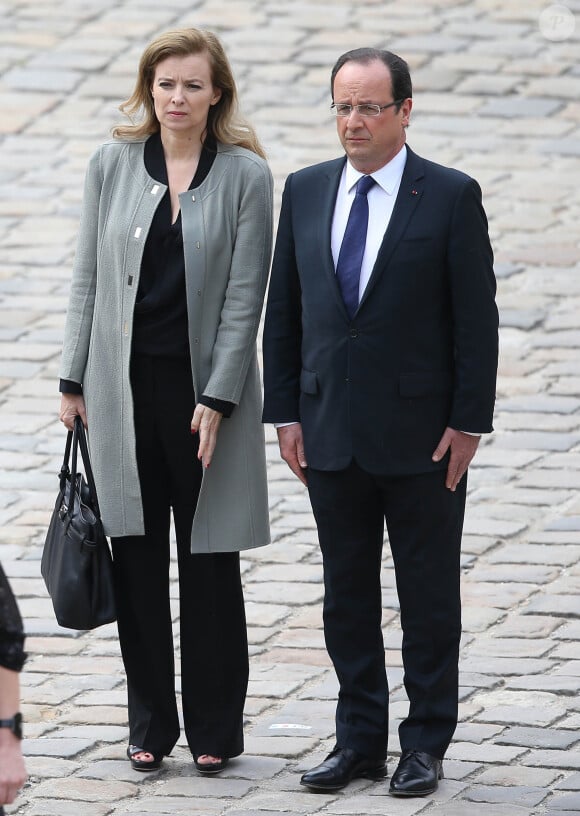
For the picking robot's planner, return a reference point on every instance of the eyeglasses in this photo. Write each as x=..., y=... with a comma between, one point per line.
x=342, y=109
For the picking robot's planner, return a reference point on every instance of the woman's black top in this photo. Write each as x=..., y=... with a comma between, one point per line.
x=160, y=319
x=160, y=326
x=12, y=655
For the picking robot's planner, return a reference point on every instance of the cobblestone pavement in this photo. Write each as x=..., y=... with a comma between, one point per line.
x=497, y=96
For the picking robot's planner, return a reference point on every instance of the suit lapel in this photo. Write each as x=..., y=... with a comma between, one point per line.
x=333, y=174
x=409, y=195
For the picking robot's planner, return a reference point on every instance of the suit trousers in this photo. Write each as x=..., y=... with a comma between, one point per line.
x=212, y=626
x=424, y=522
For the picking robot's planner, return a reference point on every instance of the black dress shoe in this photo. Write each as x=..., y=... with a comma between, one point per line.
x=417, y=774
x=339, y=767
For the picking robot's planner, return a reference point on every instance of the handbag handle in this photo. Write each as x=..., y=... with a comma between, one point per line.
x=77, y=439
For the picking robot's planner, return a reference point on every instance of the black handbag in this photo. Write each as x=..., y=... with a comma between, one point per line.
x=76, y=561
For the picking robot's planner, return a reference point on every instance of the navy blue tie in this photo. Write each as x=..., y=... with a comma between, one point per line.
x=353, y=246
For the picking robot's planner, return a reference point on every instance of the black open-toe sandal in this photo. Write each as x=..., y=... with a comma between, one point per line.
x=143, y=764
x=210, y=768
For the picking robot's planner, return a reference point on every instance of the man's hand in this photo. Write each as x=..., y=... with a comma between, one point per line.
x=70, y=406
x=12, y=771
x=463, y=447
x=292, y=449
x=207, y=422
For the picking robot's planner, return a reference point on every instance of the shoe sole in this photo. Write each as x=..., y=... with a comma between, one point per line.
x=146, y=767
x=210, y=770
x=413, y=793
x=372, y=775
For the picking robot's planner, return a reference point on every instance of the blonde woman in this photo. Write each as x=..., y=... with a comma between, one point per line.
x=160, y=362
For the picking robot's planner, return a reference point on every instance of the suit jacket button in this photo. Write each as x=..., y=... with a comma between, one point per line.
x=353, y=333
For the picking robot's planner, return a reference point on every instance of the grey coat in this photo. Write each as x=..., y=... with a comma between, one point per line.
x=227, y=236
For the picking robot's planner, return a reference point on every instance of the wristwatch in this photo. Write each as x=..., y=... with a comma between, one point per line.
x=14, y=724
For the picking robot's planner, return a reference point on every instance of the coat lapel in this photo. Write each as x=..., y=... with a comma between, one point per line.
x=408, y=197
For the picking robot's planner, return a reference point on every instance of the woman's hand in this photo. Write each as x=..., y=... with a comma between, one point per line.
x=72, y=405
x=206, y=421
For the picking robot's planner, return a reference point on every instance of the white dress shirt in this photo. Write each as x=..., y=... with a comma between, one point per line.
x=381, y=199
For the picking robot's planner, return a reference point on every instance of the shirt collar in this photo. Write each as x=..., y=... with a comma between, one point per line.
x=388, y=176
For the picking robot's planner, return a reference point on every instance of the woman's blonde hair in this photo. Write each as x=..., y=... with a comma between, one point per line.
x=224, y=122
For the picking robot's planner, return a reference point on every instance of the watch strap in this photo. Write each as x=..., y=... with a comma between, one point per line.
x=14, y=724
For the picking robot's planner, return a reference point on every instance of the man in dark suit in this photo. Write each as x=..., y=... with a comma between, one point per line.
x=380, y=376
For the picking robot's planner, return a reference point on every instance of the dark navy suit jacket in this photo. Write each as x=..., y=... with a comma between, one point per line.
x=421, y=351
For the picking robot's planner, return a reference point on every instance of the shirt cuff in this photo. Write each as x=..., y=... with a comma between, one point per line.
x=70, y=387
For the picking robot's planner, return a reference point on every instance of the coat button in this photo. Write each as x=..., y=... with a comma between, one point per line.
x=353, y=333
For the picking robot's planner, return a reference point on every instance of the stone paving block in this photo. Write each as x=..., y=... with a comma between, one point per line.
x=510, y=647
x=466, y=808
x=559, y=684
x=528, y=573
x=515, y=553
x=567, y=631
x=557, y=738
x=492, y=527
x=45, y=767
x=486, y=752
x=203, y=787
x=477, y=545
x=294, y=656
x=63, y=748
x=290, y=592
x=97, y=715
x=567, y=651
x=96, y=733
x=529, y=626
x=564, y=523
x=560, y=605
x=85, y=790
x=59, y=807
x=569, y=759
x=236, y=812
x=301, y=638
x=478, y=619
x=571, y=668
x=305, y=573
x=163, y=805
x=544, y=422
x=375, y=805
x=500, y=595
x=567, y=803
x=77, y=665
x=260, y=614
x=518, y=795
x=571, y=782
x=264, y=682
x=517, y=775
x=563, y=536
x=114, y=697
x=477, y=732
